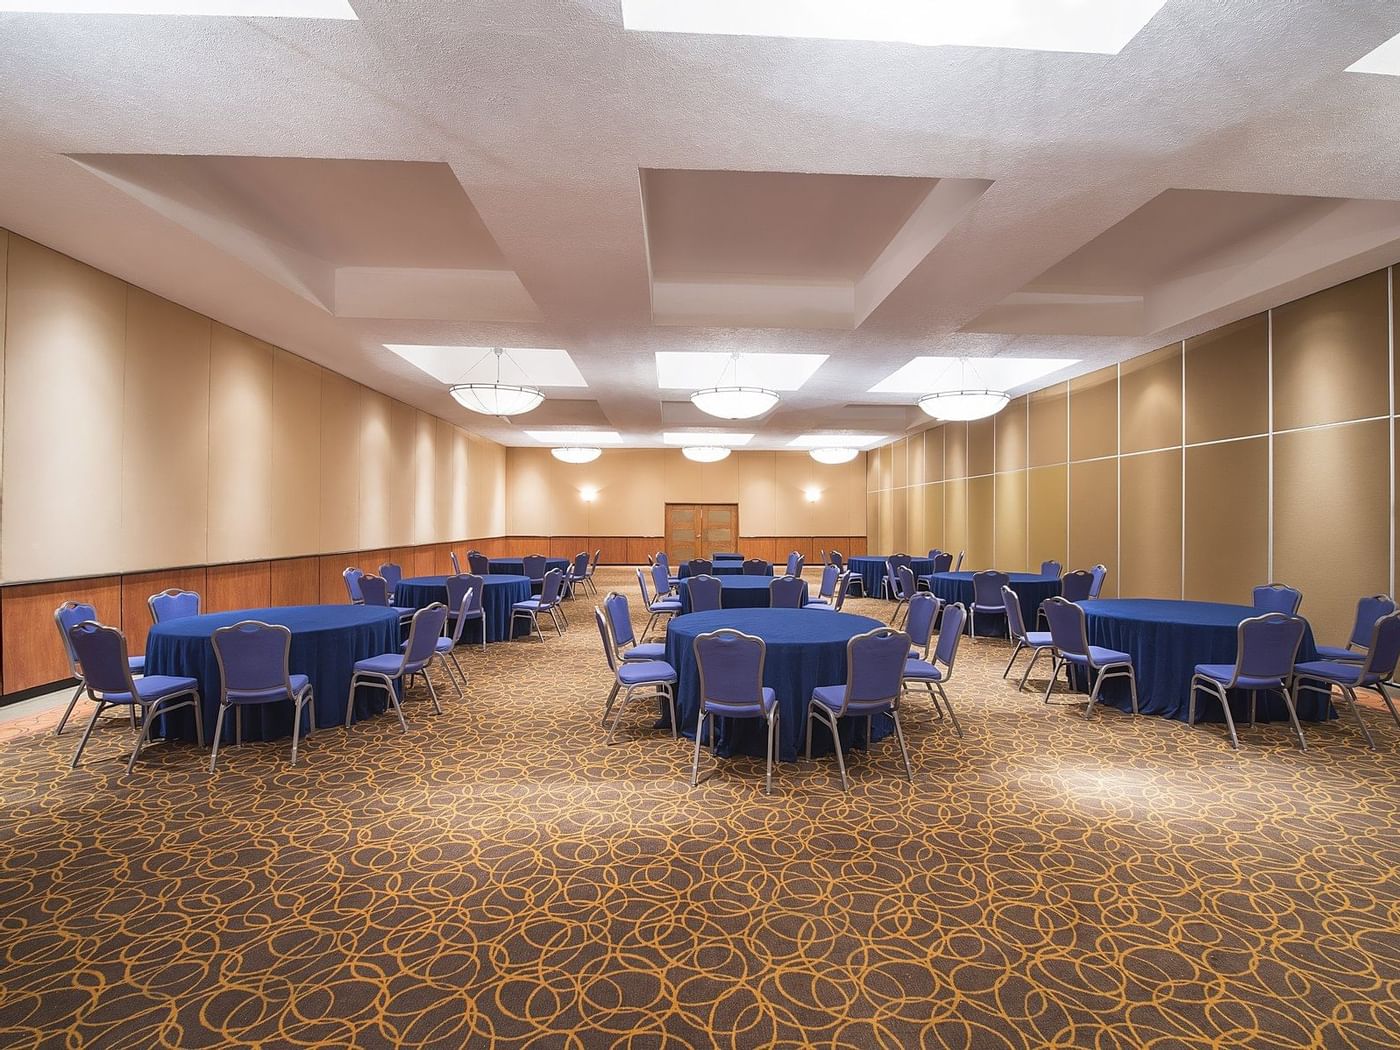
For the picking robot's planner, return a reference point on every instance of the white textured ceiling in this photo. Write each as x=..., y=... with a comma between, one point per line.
x=547, y=114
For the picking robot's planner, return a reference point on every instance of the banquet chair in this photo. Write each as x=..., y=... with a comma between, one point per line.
x=1036, y=641
x=933, y=674
x=470, y=608
x=1279, y=598
x=393, y=576
x=943, y=562
x=904, y=589
x=1382, y=654
x=534, y=566
x=635, y=680
x=254, y=668
x=1077, y=586
x=478, y=564
x=756, y=567
x=173, y=604
x=837, y=559
x=923, y=614
x=1051, y=567
x=1368, y=611
x=624, y=641
x=1266, y=649
x=922, y=584
x=65, y=618
x=389, y=669
x=892, y=564
x=456, y=563
x=106, y=664
x=786, y=592
x=795, y=564
x=826, y=590
x=1100, y=574
x=933, y=552
x=986, y=596
x=666, y=585
x=374, y=591
x=874, y=683
x=577, y=575
x=459, y=596
x=672, y=579
x=958, y=567
x=593, y=569
x=730, y=665
x=700, y=567
x=1070, y=636
x=706, y=593
x=352, y=577
x=658, y=608
x=547, y=601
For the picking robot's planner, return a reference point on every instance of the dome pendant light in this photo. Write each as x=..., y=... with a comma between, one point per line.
x=705, y=453
x=965, y=403
x=734, y=401
x=497, y=399
x=576, y=453
x=834, y=455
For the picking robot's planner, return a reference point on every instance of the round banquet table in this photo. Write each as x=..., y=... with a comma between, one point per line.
x=1167, y=639
x=326, y=642
x=516, y=566
x=806, y=648
x=499, y=593
x=740, y=592
x=871, y=569
x=721, y=568
x=1031, y=587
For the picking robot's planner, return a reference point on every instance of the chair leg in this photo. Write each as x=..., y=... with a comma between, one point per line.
x=1025, y=676
x=899, y=735
x=1293, y=716
x=87, y=732
x=461, y=674
x=1132, y=686
x=671, y=703
x=77, y=694
x=617, y=718
x=699, y=732
x=1356, y=710
x=772, y=737
x=219, y=732
x=1055, y=664
x=1385, y=695
x=296, y=722
x=840, y=756
x=1014, y=653
x=394, y=700
x=808, y=754
x=612, y=696
x=147, y=720
x=951, y=713
x=432, y=692
x=1229, y=717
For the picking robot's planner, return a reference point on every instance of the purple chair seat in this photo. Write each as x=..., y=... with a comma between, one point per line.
x=833, y=696
x=441, y=645
x=1336, y=671
x=1226, y=672
x=136, y=663
x=1099, y=655
x=1037, y=639
x=666, y=605
x=922, y=669
x=1339, y=654
x=528, y=603
x=152, y=688
x=744, y=709
x=645, y=651
x=299, y=682
x=387, y=663
x=647, y=672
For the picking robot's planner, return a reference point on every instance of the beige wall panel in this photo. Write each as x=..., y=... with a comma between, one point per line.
x=874, y=524
x=889, y=531
x=456, y=525
x=425, y=475
x=528, y=512
x=1150, y=523
x=64, y=369
x=1047, y=530
x=920, y=538
x=1011, y=428
x=758, y=509
x=631, y=495
x=981, y=522
x=376, y=465
x=1227, y=381
x=4, y=278
x=1331, y=355
x=681, y=477
x=1048, y=421
x=933, y=454
x=981, y=446
x=872, y=471
x=935, y=534
x=899, y=470
x=296, y=454
x=165, y=434
x=240, y=447
x=1009, y=554
x=1226, y=519
x=340, y=463
x=444, y=481
x=1337, y=548
x=955, y=535
x=1093, y=414
x=1093, y=519
x=719, y=482
x=917, y=473
x=486, y=507
x=838, y=510
x=1151, y=400
x=900, y=529
x=403, y=431
x=954, y=450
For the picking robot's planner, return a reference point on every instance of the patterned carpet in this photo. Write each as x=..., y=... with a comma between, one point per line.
x=500, y=877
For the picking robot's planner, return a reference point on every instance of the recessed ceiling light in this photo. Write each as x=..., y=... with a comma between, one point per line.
x=477, y=364
x=575, y=437
x=836, y=441
x=337, y=9
x=927, y=375
x=1096, y=26
x=692, y=370
x=705, y=437
x=1384, y=60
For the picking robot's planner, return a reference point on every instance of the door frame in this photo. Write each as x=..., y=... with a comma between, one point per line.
x=666, y=519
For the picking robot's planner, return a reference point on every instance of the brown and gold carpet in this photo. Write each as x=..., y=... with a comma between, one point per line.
x=500, y=877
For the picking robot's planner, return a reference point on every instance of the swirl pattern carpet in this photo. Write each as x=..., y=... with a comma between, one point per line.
x=501, y=877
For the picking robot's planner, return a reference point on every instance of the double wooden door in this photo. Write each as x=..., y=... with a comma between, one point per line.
x=697, y=530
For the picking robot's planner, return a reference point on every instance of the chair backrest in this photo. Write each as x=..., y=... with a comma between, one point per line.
x=842, y=586
x=950, y=634
x=1100, y=573
x=706, y=593
x=642, y=584
x=479, y=563
x=352, y=585
x=986, y=587
x=102, y=654
x=392, y=573
x=458, y=588
x=1383, y=652
x=933, y=553
x=1267, y=645
x=923, y=610
x=70, y=614
x=172, y=604
x=606, y=634
x=456, y=563
x=794, y=564
x=549, y=588
x=700, y=567
x=476, y=587
x=958, y=566
x=423, y=634
x=943, y=562
x=830, y=574
x=661, y=559
x=875, y=666
x=374, y=590
x=597, y=557
x=1015, y=622
x=731, y=667
x=1067, y=626
x=253, y=657
x=894, y=561
x=661, y=579
x=580, y=565
x=837, y=559
x=1077, y=586
x=1278, y=597
x=785, y=592
x=756, y=567
x=905, y=584
x=1368, y=611
x=534, y=565
x=619, y=616
x=1051, y=568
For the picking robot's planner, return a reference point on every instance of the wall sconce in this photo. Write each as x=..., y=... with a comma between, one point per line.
x=813, y=494
x=588, y=493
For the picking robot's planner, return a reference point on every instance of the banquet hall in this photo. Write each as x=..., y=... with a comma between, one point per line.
x=645, y=523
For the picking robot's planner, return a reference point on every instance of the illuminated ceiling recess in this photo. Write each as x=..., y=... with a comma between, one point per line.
x=576, y=453
x=334, y=9
x=705, y=453
x=497, y=399
x=1088, y=26
x=1384, y=60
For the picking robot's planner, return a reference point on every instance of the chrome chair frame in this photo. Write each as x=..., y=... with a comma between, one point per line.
x=934, y=686
x=1200, y=681
x=832, y=718
x=1115, y=669
x=654, y=690
x=378, y=680
x=74, y=668
x=306, y=698
x=771, y=718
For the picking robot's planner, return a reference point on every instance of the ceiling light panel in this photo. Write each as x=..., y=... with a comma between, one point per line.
x=926, y=375
x=1095, y=26
x=836, y=440
x=1384, y=60
x=575, y=437
x=692, y=370
x=477, y=364
x=336, y=9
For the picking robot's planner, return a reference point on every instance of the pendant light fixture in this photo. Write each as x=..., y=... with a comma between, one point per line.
x=966, y=402
x=497, y=399
x=576, y=453
x=705, y=453
x=834, y=455
x=734, y=401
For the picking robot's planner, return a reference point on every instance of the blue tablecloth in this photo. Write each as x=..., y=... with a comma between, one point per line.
x=740, y=592
x=1031, y=587
x=499, y=593
x=871, y=569
x=806, y=648
x=1167, y=639
x=516, y=566
x=722, y=568
x=326, y=642
x=726, y=556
